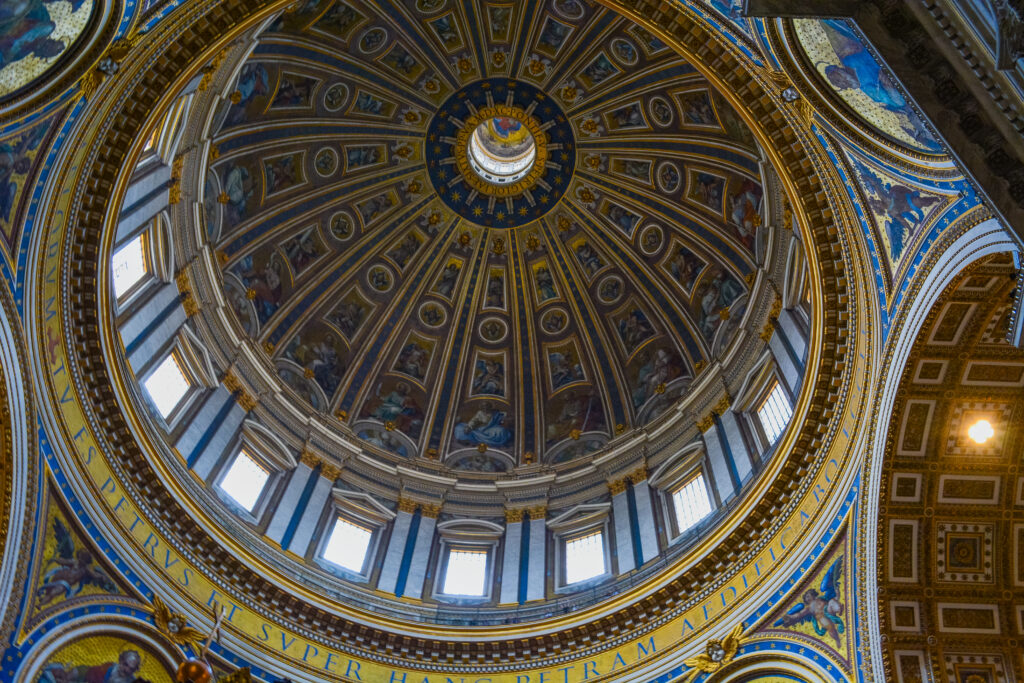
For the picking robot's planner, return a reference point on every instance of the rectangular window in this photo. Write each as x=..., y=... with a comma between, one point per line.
x=774, y=413
x=244, y=480
x=691, y=503
x=129, y=265
x=466, y=573
x=348, y=545
x=584, y=557
x=167, y=385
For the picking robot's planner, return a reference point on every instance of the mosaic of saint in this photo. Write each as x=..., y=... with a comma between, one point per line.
x=34, y=34
x=104, y=659
x=437, y=318
x=840, y=56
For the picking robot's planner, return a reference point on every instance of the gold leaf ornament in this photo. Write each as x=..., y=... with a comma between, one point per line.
x=173, y=625
x=717, y=654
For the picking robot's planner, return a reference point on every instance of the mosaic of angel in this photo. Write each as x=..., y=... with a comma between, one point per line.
x=820, y=608
x=74, y=570
x=903, y=207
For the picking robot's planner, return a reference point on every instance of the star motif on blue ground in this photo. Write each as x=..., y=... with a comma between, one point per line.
x=463, y=104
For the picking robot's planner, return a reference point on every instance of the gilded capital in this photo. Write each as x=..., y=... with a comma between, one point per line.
x=330, y=471
x=704, y=424
x=638, y=475
x=309, y=459
x=538, y=512
x=513, y=515
x=407, y=505
x=616, y=487
x=723, y=405
x=430, y=510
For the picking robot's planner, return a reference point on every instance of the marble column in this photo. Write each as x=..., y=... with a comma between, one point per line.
x=537, y=568
x=396, y=546
x=722, y=469
x=298, y=481
x=421, y=551
x=623, y=532
x=645, y=515
x=511, y=557
x=312, y=508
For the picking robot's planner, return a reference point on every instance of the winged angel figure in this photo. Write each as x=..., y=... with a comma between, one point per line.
x=718, y=653
x=820, y=607
x=74, y=571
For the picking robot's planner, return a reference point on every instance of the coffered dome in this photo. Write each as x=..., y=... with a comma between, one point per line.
x=481, y=237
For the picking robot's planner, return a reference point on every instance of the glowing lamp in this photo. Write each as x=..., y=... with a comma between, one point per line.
x=981, y=431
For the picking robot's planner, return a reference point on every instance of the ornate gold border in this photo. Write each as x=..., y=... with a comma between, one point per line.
x=540, y=139
x=77, y=61
x=117, y=120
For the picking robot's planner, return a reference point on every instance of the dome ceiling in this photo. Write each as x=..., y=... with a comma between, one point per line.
x=371, y=245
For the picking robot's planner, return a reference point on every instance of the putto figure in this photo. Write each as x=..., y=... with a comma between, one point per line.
x=74, y=571
x=820, y=607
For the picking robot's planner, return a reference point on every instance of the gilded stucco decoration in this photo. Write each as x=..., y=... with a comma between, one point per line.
x=430, y=351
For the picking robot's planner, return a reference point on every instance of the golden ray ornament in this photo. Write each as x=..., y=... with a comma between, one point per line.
x=717, y=654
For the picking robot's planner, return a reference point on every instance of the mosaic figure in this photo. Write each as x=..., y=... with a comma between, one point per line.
x=253, y=82
x=576, y=412
x=294, y=91
x=486, y=426
x=281, y=173
x=446, y=282
x=396, y=406
x=302, y=250
x=263, y=283
x=495, y=290
x=321, y=354
x=902, y=207
x=75, y=569
x=15, y=161
x=744, y=209
x=124, y=670
x=588, y=258
x=239, y=190
x=31, y=35
x=657, y=369
x=350, y=314
x=340, y=20
x=820, y=608
x=545, y=283
x=564, y=367
x=714, y=294
x=403, y=252
x=489, y=376
x=871, y=90
x=696, y=108
x=634, y=329
x=601, y=69
x=708, y=190
x=413, y=359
